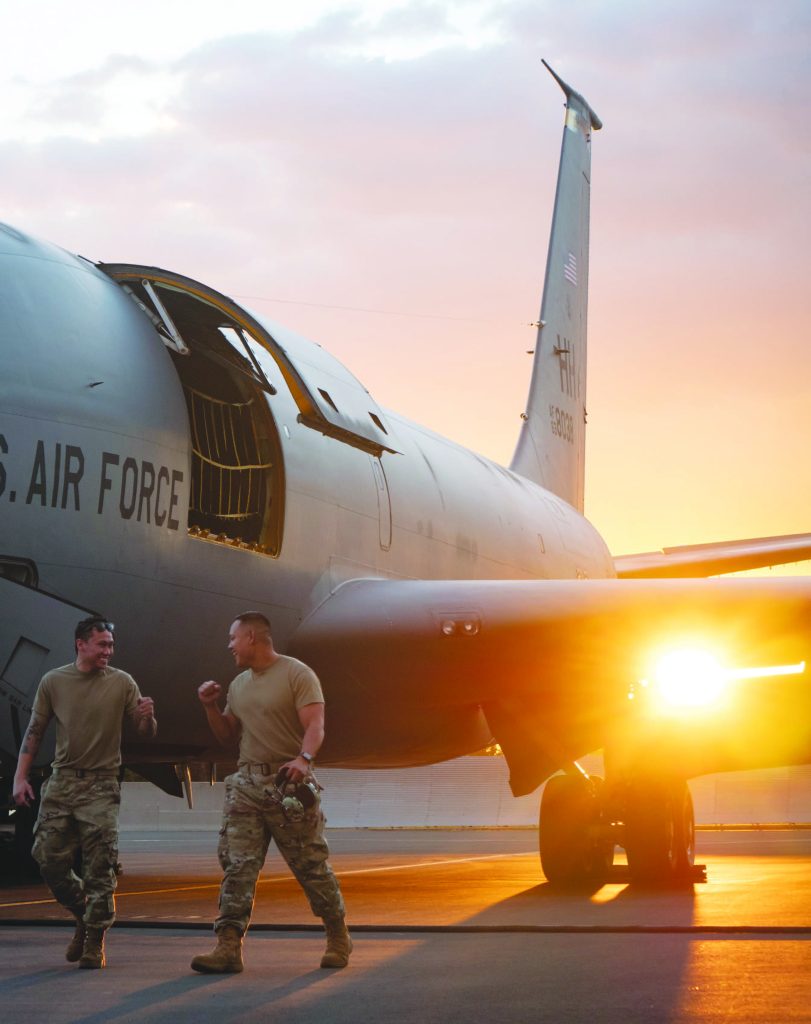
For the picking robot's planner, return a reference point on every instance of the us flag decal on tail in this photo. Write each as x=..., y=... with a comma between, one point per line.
x=570, y=269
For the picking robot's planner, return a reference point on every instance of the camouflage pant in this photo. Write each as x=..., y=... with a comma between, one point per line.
x=80, y=815
x=251, y=818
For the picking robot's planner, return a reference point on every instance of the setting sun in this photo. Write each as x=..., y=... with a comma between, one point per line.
x=689, y=677
x=693, y=677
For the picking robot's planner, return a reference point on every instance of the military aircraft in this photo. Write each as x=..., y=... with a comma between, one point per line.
x=170, y=459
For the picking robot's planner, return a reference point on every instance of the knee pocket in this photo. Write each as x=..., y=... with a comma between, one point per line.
x=237, y=850
x=50, y=846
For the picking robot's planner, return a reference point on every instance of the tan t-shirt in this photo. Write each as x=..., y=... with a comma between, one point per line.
x=89, y=709
x=266, y=704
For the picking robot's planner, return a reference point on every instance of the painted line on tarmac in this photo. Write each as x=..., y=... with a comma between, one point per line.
x=434, y=863
x=286, y=878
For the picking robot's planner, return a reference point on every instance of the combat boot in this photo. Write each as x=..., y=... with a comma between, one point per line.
x=93, y=954
x=226, y=957
x=76, y=944
x=339, y=943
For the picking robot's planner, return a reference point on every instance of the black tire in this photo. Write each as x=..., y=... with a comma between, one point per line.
x=574, y=854
x=659, y=831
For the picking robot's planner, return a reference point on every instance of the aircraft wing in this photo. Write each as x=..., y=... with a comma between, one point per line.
x=694, y=560
x=548, y=665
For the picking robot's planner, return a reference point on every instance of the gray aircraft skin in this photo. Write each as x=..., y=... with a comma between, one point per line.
x=169, y=459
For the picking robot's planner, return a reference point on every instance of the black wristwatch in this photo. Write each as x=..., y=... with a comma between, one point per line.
x=307, y=757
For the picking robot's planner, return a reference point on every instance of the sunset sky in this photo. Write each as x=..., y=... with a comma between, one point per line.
x=379, y=176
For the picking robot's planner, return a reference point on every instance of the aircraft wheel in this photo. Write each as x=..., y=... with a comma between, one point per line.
x=659, y=831
x=574, y=852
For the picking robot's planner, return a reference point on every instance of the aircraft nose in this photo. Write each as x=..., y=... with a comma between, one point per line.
x=93, y=429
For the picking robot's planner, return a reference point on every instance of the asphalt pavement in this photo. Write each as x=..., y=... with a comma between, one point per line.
x=448, y=926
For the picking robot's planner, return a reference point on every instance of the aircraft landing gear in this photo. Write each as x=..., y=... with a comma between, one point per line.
x=582, y=820
x=659, y=831
x=576, y=848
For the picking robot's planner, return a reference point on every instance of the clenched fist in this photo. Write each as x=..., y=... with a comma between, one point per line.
x=209, y=692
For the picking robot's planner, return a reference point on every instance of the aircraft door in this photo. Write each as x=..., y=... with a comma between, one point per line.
x=237, y=474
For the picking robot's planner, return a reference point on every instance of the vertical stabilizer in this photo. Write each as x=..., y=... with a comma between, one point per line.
x=551, y=446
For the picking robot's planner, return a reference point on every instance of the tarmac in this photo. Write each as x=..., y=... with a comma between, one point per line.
x=448, y=925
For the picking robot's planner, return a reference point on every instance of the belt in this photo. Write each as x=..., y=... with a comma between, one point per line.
x=82, y=773
x=259, y=768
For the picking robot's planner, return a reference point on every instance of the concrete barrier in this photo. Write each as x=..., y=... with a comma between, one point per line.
x=470, y=792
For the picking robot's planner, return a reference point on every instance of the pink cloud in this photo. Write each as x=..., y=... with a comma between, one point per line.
x=425, y=186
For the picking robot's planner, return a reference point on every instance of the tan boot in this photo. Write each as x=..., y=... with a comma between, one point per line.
x=76, y=944
x=339, y=943
x=225, y=958
x=93, y=954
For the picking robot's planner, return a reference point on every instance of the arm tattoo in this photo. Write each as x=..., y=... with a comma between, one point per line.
x=34, y=733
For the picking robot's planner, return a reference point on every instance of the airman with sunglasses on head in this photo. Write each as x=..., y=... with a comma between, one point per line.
x=79, y=810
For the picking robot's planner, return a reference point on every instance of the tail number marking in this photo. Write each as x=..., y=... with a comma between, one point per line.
x=562, y=424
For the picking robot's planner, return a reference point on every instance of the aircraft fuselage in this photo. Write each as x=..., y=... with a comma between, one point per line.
x=97, y=492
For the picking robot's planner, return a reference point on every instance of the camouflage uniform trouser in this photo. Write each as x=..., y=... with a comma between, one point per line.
x=251, y=818
x=80, y=814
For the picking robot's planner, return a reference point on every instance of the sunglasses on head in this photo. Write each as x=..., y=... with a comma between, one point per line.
x=84, y=629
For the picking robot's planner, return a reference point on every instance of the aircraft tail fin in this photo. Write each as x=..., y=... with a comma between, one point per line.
x=551, y=445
